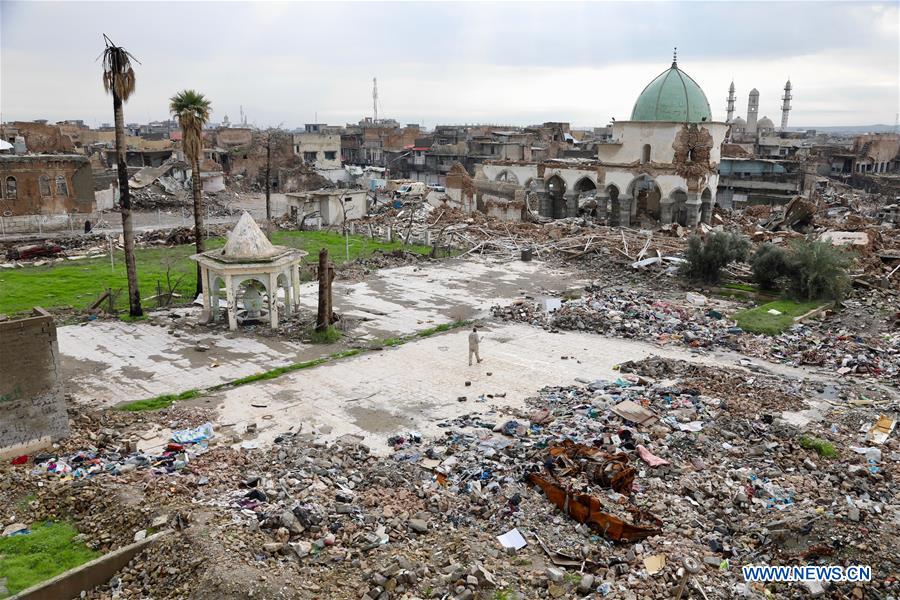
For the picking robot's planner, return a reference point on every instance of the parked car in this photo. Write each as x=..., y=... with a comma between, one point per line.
x=417, y=188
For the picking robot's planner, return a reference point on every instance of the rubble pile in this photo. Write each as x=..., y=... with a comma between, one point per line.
x=178, y=200
x=688, y=473
x=178, y=236
x=630, y=313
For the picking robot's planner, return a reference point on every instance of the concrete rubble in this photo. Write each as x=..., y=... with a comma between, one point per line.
x=717, y=479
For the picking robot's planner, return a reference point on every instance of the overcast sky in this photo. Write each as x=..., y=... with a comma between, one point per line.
x=505, y=63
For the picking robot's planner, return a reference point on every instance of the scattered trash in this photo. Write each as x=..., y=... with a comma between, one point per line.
x=882, y=429
x=512, y=539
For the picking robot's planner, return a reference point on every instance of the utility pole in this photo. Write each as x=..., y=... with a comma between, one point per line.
x=269, y=184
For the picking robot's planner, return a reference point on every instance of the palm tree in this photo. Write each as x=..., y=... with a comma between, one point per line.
x=192, y=111
x=118, y=80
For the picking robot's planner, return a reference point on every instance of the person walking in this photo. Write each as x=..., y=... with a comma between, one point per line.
x=474, y=341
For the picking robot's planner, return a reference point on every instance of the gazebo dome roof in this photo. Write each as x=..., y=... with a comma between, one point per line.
x=247, y=242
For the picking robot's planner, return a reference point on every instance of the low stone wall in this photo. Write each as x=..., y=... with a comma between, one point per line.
x=41, y=223
x=32, y=408
x=89, y=575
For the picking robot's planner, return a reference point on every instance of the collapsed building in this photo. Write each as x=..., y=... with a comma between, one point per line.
x=661, y=163
x=40, y=190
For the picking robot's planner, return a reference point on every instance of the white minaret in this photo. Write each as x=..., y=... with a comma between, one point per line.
x=730, y=106
x=375, y=98
x=786, y=104
x=752, y=110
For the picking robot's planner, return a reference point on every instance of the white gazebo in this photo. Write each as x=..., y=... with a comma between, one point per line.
x=249, y=260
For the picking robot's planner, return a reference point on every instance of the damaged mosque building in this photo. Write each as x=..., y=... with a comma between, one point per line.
x=661, y=163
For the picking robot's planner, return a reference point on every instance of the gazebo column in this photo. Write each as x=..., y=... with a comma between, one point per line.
x=204, y=286
x=210, y=281
x=288, y=290
x=295, y=281
x=232, y=303
x=273, y=300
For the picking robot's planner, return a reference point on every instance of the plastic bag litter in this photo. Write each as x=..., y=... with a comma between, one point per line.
x=193, y=436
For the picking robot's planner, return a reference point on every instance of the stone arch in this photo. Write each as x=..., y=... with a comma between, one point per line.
x=612, y=192
x=584, y=185
x=706, y=205
x=507, y=176
x=529, y=183
x=679, y=197
x=44, y=186
x=12, y=190
x=556, y=190
x=646, y=196
x=248, y=306
x=283, y=282
x=645, y=154
x=62, y=188
x=586, y=191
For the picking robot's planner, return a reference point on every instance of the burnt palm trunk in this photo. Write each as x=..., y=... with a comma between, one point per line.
x=134, y=294
x=196, y=185
x=326, y=274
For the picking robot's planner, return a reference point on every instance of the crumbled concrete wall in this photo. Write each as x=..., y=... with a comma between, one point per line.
x=32, y=409
x=30, y=199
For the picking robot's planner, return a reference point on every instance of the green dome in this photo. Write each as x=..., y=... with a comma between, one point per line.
x=672, y=96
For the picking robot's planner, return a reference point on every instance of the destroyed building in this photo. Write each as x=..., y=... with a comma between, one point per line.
x=44, y=185
x=662, y=163
x=318, y=147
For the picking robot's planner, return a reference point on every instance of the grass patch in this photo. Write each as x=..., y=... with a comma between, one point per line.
x=47, y=551
x=329, y=335
x=442, y=328
x=163, y=401
x=758, y=320
x=741, y=286
x=822, y=447
x=78, y=283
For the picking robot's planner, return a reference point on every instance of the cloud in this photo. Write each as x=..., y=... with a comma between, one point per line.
x=511, y=63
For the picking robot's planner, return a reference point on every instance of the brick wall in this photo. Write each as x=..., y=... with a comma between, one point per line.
x=32, y=408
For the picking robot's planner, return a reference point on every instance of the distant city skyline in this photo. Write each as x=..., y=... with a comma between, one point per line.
x=440, y=63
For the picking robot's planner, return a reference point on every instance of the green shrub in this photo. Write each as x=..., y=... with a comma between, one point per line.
x=705, y=259
x=818, y=270
x=770, y=263
x=822, y=447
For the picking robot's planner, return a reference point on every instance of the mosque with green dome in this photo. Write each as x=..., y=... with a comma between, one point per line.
x=661, y=164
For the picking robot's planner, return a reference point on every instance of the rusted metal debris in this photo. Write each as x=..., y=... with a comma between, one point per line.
x=606, y=470
x=611, y=471
x=585, y=508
